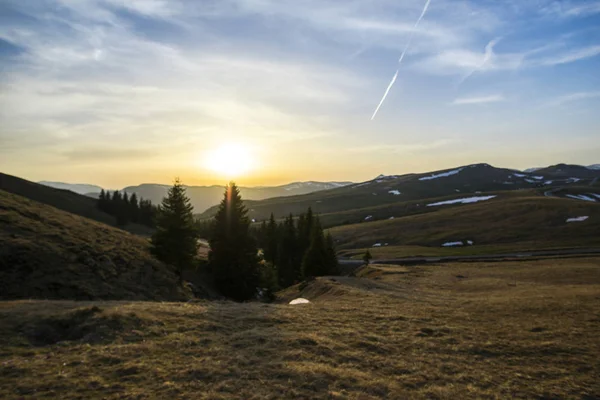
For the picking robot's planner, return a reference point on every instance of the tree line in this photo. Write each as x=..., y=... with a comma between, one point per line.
x=297, y=248
x=292, y=250
x=127, y=208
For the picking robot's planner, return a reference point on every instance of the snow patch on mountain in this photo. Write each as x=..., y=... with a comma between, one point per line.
x=581, y=197
x=441, y=175
x=578, y=219
x=395, y=192
x=465, y=200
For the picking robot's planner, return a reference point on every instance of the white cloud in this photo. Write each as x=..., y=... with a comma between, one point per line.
x=569, y=56
x=479, y=100
x=570, y=98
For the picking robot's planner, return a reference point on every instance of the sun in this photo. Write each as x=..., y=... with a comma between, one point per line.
x=230, y=160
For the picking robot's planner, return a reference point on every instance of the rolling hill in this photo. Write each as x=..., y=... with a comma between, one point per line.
x=400, y=189
x=65, y=200
x=47, y=253
x=203, y=197
x=532, y=222
x=80, y=188
x=62, y=199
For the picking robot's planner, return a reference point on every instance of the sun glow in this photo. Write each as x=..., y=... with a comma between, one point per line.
x=230, y=160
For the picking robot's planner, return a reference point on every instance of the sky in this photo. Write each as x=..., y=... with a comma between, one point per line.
x=116, y=93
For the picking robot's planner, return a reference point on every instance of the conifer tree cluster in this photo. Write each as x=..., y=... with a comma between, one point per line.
x=298, y=248
x=127, y=208
x=233, y=255
x=175, y=240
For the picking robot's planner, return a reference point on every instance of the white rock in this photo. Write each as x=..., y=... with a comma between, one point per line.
x=299, y=300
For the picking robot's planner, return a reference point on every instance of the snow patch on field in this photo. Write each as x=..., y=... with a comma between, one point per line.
x=581, y=197
x=395, y=192
x=530, y=181
x=452, y=244
x=368, y=217
x=377, y=245
x=465, y=200
x=441, y=175
x=577, y=219
x=573, y=180
x=391, y=218
x=519, y=175
x=548, y=183
x=457, y=243
x=539, y=178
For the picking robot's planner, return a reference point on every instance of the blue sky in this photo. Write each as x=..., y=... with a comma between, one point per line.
x=122, y=92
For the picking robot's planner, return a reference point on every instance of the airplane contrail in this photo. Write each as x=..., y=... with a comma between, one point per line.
x=412, y=32
x=385, y=94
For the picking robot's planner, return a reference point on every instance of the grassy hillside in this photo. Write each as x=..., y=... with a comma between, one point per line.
x=524, y=221
x=461, y=331
x=49, y=253
x=386, y=190
x=65, y=200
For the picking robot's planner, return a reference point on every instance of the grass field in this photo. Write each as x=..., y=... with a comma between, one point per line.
x=536, y=222
x=476, y=330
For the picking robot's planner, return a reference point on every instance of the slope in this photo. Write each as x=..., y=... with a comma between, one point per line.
x=383, y=190
x=47, y=253
x=65, y=200
x=62, y=199
x=522, y=221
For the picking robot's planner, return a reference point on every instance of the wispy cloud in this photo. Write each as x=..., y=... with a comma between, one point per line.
x=570, y=9
x=571, y=97
x=568, y=57
x=479, y=100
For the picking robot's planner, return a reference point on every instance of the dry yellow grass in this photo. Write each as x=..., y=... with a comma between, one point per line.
x=486, y=330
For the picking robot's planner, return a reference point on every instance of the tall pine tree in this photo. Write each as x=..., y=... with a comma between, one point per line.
x=288, y=253
x=233, y=253
x=175, y=240
x=271, y=241
x=319, y=259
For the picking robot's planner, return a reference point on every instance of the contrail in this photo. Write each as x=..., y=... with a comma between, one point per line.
x=386, y=93
x=401, y=58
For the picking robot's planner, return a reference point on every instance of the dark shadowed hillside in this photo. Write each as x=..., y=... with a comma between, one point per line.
x=470, y=180
x=65, y=200
x=46, y=253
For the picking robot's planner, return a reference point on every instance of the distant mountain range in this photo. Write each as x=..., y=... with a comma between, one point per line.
x=81, y=188
x=203, y=197
x=355, y=202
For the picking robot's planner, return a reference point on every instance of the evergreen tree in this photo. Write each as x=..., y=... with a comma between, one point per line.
x=133, y=208
x=233, y=253
x=122, y=209
x=305, y=226
x=175, y=240
x=271, y=241
x=102, y=200
x=288, y=256
x=333, y=266
x=367, y=257
x=318, y=260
